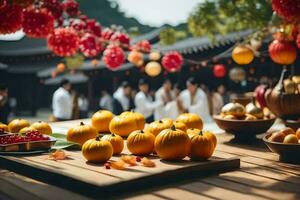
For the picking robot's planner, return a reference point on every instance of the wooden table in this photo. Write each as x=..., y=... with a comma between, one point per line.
x=261, y=177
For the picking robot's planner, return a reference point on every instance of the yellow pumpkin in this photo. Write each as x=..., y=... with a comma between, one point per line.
x=194, y=131
x=157, y=126
x=126, y=123
x=172, y=144
x=42, y=127
x=26, y=129
x=242, y=55
x=140, y=142
x=96, y=150
x=191, y=120
x=3, y=127
x=180, y=125
x=116, y=142
x=17, y=124
x=101, y=120
x=202, y=146
x=80, y=134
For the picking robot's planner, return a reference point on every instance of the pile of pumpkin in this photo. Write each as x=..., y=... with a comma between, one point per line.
x=237, y=111
x=22, y=126
x=292, y=85
x=170, y=140
x=286, y=136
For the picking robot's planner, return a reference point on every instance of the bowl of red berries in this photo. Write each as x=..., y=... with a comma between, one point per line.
x=29, y=141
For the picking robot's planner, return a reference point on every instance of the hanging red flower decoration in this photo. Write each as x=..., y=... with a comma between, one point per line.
x=219, y=70
x=78, y=25
x=288, y=9
x=298, y=40
x=282, y=52
x=90, y=46
x=172, y=61
x=11, y=17
x=71, y=7
x=144, y=46
x=54, y=6
x=122, y=38
x=94, y=27
x=107, y=33
x=113, y=57
x=23, y=3
x=37, y=23
x=63, y=42
x=3, y=3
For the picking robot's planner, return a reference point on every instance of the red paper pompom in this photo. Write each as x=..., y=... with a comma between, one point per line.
x=144, y=46
x=107, y=33
x=63, y=42
x=54, y=6
x=288, y=9
x=94, y=27
x=78, y=25
x=122, y=38
x=71, y=7
x=23, y=3
x=113, y=57
x=90, y=46
x=172, y=61
x=219, y=70
x=38, y=23
x=11, y=17
x=3, y=3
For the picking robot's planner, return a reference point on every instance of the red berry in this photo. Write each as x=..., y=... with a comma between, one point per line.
x=90, y=46
x=113, y=57
x=172, y=61
x=71, y=7
x=11, y=17
x=138, y=159
x=107, y=165
x=63, y=42
x=121, y=38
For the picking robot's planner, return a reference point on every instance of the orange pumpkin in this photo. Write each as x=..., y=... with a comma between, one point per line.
x=242, y=55
x=191, y=120
x=283, y=52
x=140, y=142
x=26, y=129
x=157, y=126
x=126, y=123
x=116, y=142
x=172, y=144
x=101, y=120
x=42, y=127
x=298, y=133
x=194, y=131
x=202, y=146
x=80, y=134
x=3, y=127
x=17, y=124
x=180, y=125
x=96, y=150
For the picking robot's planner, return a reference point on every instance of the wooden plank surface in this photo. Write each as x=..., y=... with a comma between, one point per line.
x=261, y=176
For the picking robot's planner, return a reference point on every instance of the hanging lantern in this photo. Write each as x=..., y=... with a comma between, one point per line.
x=63, y=42
x=172, y=61
x=11, y=17
x=242, y=55
x=154, y=56
x=61, y=67
x=143, y=46
x=113, y=57
x=283, y=52
x=136, y=58
x=153, y=69
x=237, y=74
x=38, y=23
x=219, y=70
x=74, y=62
x=288, y=9
x=90, y=46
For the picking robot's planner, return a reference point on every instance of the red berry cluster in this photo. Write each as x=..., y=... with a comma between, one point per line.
x=28, y=137
x=172, y=61
x=71, y=7
x=122, y=38
x=54, y=6
x=143, y=46
x=11, y=17
x=113, y=57
x=90, y=45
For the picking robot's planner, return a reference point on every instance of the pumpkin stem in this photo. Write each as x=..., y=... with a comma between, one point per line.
x=112, y=134
x=173, y=128
x=160, y=121
x=142, y=131
x=201, y=133
x=279, y=85
x=81, y=123
x=98, y=138
x=39, y=121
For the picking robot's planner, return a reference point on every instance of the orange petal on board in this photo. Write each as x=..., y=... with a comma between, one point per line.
x=58, y=155
x=147, y=163
x=130, y=160
x=120, y=164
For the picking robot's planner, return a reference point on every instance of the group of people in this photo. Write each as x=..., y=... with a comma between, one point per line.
x=167, y=102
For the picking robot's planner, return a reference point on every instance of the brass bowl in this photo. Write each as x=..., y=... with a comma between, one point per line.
x=287, y=152
x=244, y=130
x=243, y=99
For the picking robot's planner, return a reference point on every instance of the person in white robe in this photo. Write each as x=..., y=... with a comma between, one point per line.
x=122, y=99
x=194, y=100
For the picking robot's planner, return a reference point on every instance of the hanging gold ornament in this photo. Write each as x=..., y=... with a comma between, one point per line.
x=154, y=56
x=153, y=69
x=242, y=55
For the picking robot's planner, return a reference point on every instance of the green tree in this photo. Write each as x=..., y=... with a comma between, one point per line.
x=169, y=36
x=224, y=16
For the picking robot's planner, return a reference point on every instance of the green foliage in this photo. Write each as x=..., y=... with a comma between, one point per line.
x=224, y=16
x=169, y=36
x=74, y=62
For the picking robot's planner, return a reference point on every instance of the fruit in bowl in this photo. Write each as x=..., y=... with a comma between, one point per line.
x=235, y=109
x=285, y=136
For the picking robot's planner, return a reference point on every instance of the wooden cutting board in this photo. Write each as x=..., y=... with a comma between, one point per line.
x=95, y=181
